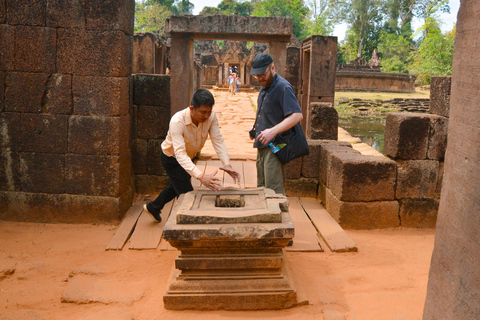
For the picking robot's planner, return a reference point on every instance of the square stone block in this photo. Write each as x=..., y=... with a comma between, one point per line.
x=437, y=140
x=35, y=49
x=154, y=164
x=98, y=135
x=356, y=177
x=311, y=163
x=58, y=95
x=7, y=47
x=26, y=12
x=11, y=133
x=406, y=136
x=96, y=175
x=302, y=187
x=293, y=169
x=326, y=153
x=89, y=53
x=440, y=89
x=101, y=96
x=418, y=213
x=66, y=14
x=417, y=179
x=25, y=91
x=139, y=156
x=152, y=122
x=363, y=215
x=9, y=170
x=322, y=122
x=44, y=133
x=42, y=172
x=110, y=15
x=152, y=90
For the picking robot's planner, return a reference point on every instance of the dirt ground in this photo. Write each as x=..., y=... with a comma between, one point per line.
x=59, y=271
x=41, y=264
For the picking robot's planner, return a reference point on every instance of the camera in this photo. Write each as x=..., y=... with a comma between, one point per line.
x=252, y=133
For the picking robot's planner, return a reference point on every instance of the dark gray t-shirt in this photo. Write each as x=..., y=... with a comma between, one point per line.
x=275, y=103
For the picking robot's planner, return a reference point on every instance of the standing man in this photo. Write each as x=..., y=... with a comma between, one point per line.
x=277, y=111
x=187, y=133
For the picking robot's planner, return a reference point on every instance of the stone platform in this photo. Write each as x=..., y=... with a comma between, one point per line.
x=231, y=245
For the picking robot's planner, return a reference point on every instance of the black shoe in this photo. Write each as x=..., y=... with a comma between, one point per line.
x=156, y=217
x=290, y=243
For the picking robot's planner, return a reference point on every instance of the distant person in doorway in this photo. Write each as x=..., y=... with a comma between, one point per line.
x=187, y=133
x=232, y=79
x=277, y=111
x=239, y=82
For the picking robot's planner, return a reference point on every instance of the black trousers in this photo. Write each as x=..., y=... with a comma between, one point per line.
x=179, y=184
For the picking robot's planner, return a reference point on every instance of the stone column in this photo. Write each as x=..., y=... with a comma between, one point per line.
x=278, y=51
x=454, y=281
x=181, y=55
x=220, y=76
x=247, y=74
x=226, y=71
x=242, y=72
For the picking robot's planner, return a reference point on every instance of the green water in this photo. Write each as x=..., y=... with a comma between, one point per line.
x=370, y=129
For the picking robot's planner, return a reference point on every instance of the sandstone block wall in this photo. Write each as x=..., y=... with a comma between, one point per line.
x=374, y=81
x=440, y=91
x=65, y=110
x=151, y=116
x=322, y=122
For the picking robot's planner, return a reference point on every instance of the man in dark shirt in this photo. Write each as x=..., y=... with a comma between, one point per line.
x=277, y=111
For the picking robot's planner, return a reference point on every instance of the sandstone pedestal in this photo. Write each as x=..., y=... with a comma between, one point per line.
x=231, y=245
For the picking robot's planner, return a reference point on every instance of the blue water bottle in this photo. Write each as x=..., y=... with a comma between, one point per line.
x=273, y=147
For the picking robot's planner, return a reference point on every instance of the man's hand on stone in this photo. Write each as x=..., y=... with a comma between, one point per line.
x=232, y=172
x=212, y=182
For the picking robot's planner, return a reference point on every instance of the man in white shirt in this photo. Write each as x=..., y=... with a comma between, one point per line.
x=187, y=133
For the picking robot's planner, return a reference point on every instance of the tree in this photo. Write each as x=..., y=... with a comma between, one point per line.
x=210, y=10
x=321, y=21
x=236, y=7
x=150, y=17
x=434, y=56
x=294, y=9
x=425, y=9
x=394, y=51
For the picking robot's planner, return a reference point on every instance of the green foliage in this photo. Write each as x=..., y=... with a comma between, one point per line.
x=150, y=17
x=322, y=25
x=394, y=52
x=210, y=10
x=294, y=9
x=434, y=56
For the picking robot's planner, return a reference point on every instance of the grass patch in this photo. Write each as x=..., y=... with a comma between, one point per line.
x=419, y=94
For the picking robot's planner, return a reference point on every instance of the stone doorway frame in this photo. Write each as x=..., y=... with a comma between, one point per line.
x=184, y=29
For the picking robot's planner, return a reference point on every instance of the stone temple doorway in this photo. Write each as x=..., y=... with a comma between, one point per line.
x=183, y=30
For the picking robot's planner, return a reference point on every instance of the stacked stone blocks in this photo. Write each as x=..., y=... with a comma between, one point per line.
x=64, y=110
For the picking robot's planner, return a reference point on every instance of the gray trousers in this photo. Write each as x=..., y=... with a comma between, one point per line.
x=270, y=171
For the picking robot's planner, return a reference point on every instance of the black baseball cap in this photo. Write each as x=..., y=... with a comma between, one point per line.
x=260, y=63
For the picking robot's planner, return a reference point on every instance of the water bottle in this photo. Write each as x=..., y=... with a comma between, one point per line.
x=273, y=147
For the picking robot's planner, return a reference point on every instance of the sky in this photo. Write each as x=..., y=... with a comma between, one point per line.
x=448, y=19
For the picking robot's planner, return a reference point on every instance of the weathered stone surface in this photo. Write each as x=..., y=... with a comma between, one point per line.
x=292, y=71
x=302, y=187
x=323, y=56
x=110, y=15
x=25, y=315
x=58, y=94
x=2, y=89
x=363, y=215
x=457, y=240
x=96, y=175
x=111, y=313
x=418, y=213
x=3, y=14
x=144, y=52
x=150, y=184
x=440, y=88
x=417, y=179
x=153, y=161
x=152, y=90
x=322, y=192
x=26, y=12
x=441, y=171
x=437, y=140
x=9, y=170
x=139, y=156
x=322, y=122
x=25, y=91
x=37, y=207
x=7, y=45
x=326, y=152
x=311, y=163
x=42, y=172
x=66, y=14
x=355, y=177
x=101, y=96
x=89, y=53
x=44, y=133
x=98, y=135
x=406, y=136
x=374, y=81
x=152, y=122
x=293, y=169
x=35, y=49
x=85, y=289
x=10, y=131
x=229, y=262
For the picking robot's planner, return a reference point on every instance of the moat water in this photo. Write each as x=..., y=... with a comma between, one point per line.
x=370, y=129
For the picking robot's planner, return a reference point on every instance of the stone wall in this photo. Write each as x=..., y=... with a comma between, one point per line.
x=64, y=110
x=454, y=281
x=374, y=81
